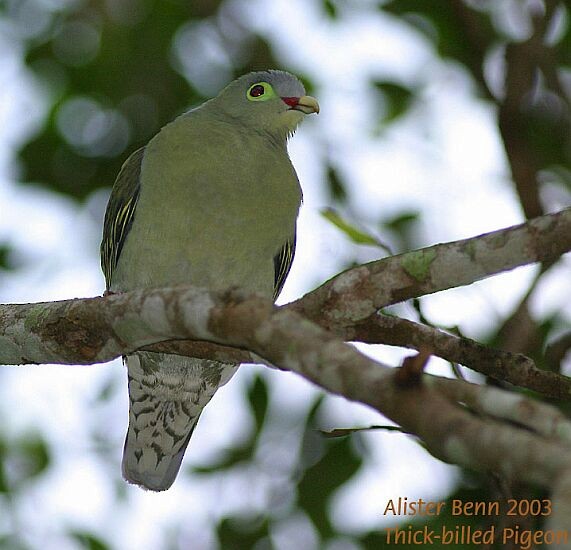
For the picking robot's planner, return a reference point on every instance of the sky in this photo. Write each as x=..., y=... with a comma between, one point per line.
x=444, y=158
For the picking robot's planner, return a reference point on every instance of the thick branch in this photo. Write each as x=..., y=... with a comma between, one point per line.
x=358, y=293
x=514, y=368
x=78, y=331
x=547, y=421
x=127, y=322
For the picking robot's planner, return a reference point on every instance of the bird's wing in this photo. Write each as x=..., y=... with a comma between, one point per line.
x=120, y=212
x=282, y=264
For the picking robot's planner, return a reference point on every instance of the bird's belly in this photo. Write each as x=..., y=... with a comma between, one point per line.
x=203, y=251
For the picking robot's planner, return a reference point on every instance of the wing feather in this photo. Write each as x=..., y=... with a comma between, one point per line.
x=282, y=264
x=120, y=213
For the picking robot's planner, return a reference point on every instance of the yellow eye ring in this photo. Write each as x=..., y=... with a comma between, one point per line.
x=260, y=91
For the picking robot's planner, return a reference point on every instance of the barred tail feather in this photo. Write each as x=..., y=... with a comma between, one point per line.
x=167, y=393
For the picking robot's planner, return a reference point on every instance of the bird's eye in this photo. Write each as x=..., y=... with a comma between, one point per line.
x=260, y=91
x=257, y=90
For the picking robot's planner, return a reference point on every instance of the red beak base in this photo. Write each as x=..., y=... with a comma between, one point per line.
x=291, y=101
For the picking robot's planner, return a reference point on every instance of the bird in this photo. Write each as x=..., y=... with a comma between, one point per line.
x=212, y=200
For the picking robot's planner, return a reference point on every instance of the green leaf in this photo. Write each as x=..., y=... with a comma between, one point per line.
x=89, y=541
x=10, y=542
x=465, y=38
x=330, y=9
x=230, y=458
x=318, y=483
x=358, y=236
x=107, y=390
x=130, y=68
x=258, y=398
x=313, y=412
x=564, y=45
x=35, y=454
x=204, y=8
x=244, y=533
x=397, y=99
x=336, y=186
x=402, y=221
x=261, y=56
x=403, y=226
x=307, y=81
x=4, y=487
x=5, y=252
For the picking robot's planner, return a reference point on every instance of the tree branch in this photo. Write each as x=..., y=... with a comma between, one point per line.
x=358, y=293
x=78, y=331
x=98, y=329
x=515, y=368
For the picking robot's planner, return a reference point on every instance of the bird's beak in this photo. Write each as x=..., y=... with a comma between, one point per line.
x=306, y=104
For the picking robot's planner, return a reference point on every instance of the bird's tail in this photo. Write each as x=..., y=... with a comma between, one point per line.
x=166, y=396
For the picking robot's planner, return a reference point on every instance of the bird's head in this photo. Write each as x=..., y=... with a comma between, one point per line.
x=270, y=101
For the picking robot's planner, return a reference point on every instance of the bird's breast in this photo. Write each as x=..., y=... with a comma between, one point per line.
x=213, y=211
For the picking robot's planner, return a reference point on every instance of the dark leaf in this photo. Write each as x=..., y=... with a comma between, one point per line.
x=129, y=66
x=10, y=542
x=330, y=8
x=107, y=390
x=314, y=410
x=402, y=221
x=243, y=533
x=397, y=99
x=403, y=226
x=337, y=189
x=318, y=483
x=563, y=46
x=229, y=459
x=89, y=541
x=258, y=398
x=459, y=32
x=4, y=487
x=261, y=56
x=204, y=8
x=5, y=252
x=35, y=456
x=308, y=83
x=358, y=236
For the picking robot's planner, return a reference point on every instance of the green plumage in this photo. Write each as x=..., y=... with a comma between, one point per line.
x=212, y=200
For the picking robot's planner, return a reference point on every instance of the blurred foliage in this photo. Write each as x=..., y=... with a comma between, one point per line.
x=358, y=236
x=319, y=483
x=21, y=460
x=446, y=27
x=114, y=72
x=258, y=401
x=530, y=87
x=397, y=99
x=337, y=190
x=318, y=469
x=330, y=8
x=403, y=228
x=5, y=260
x=89, y=541
x=242, y=533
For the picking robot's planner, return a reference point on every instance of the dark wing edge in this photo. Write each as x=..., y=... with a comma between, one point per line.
x=282, y=264
x=120, y=213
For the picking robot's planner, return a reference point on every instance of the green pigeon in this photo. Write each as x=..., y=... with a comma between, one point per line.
x=212, y=200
